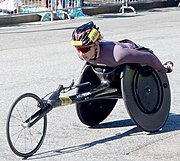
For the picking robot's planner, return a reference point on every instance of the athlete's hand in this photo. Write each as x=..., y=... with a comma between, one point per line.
x=169, y=66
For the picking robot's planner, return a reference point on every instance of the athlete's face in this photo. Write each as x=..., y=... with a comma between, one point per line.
x=89, y=52
x=86, y=52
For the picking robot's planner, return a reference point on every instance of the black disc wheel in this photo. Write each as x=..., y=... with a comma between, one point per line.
x=93, y=112
x=24, y=140
x=146, y=94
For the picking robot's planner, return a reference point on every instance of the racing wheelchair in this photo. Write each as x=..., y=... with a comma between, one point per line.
x=146, y=95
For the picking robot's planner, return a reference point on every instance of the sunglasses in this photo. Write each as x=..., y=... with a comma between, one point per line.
x=83, y=49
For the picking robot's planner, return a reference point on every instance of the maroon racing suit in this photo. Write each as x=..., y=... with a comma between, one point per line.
x=113, y=54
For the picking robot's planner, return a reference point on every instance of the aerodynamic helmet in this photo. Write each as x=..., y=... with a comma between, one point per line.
x=86, y=34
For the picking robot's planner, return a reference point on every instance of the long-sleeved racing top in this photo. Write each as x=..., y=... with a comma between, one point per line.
x=113, y=54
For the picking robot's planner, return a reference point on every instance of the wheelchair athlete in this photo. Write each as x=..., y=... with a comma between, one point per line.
x=90, y=47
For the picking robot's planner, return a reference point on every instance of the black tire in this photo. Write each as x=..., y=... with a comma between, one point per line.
x=93, y=112
x=146, y=94
x=24, y=141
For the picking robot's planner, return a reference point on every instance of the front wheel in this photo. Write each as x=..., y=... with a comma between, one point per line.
x=24, y=140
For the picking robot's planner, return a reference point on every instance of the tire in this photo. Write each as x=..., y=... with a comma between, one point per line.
x=24, y=141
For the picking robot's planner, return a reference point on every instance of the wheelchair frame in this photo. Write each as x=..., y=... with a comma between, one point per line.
x=98, y=97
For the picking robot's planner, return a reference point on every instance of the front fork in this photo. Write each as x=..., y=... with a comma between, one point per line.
x=44, y=109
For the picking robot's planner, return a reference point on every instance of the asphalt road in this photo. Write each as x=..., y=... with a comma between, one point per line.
x=37, y=57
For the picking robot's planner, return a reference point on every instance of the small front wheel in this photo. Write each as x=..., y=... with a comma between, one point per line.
x=25, y=140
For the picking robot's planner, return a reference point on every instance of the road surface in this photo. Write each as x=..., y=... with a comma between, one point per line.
x=37, y=57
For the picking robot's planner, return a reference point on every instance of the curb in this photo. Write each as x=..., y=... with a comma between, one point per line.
x=15, y=19
x=25, y=18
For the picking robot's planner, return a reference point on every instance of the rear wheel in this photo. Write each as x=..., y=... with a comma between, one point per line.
x=93, y=112
x=146, y=94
